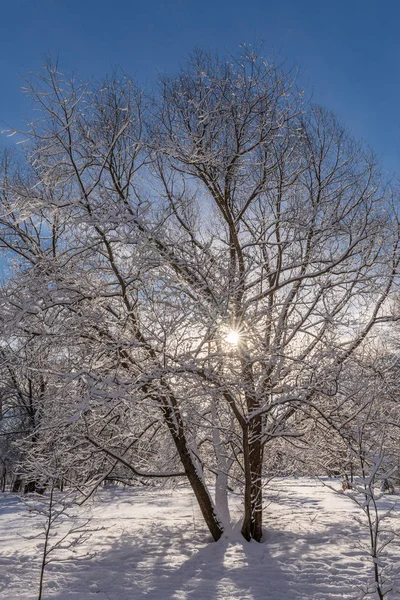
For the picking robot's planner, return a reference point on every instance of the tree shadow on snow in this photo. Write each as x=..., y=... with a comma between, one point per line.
x=170, y=563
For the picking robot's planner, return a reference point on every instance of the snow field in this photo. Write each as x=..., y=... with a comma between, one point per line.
x=152, y=544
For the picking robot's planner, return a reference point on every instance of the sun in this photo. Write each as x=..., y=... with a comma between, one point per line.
x=232, y=337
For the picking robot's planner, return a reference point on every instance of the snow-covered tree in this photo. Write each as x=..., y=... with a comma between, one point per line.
x=221, y=252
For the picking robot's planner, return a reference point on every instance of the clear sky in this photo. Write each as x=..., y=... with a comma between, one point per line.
x=348, y=50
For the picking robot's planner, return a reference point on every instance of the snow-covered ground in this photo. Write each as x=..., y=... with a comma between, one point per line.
x=153, y=545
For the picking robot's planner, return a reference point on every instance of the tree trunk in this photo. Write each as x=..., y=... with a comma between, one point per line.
x=246, y=526
x=17, y=485
x=221, y=474
x=221, y=497
x=253, y=458
x=30, y=487
x=256, y=458
x=4, y=479
x=175, y=426
x=199, y=489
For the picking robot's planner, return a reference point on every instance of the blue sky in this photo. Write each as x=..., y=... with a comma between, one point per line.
x=348, y=51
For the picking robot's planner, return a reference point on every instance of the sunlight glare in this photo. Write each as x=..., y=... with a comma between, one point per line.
x=232, y=337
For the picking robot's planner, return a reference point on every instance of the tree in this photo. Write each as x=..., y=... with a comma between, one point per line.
x=368, y=425
x=295, y=247
x=54, y=510
x=224, y=251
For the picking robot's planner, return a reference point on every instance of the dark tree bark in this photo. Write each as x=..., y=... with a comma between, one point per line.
x=176, y=427
x=253, y=458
